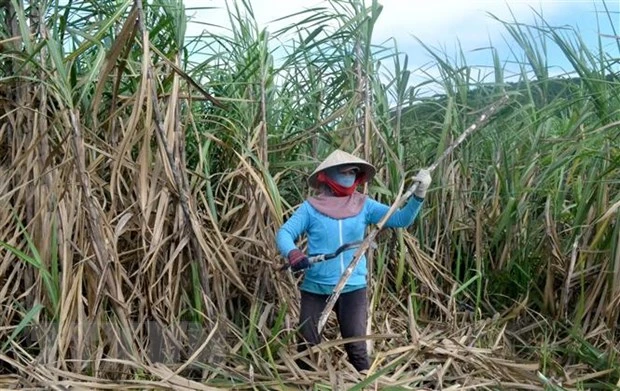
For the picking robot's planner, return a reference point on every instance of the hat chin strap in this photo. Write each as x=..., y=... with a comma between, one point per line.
x=338, y=189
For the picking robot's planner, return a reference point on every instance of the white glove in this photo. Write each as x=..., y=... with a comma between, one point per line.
x=424, y=181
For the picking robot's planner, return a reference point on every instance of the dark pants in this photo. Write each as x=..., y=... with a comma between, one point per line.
x=351, y=311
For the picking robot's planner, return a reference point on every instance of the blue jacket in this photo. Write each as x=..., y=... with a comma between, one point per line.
x=326, y=234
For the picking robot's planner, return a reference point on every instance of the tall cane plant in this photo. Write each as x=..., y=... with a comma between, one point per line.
x=144, y=173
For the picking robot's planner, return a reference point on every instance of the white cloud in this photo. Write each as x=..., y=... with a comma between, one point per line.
x=442, y=24
x=446, y=22
x=434, y=20
x=265, y=11
x=437, y=20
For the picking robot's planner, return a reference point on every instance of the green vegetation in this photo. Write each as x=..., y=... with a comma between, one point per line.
x=143, y=174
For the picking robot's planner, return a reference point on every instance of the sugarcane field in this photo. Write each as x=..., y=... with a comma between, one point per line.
x=309, y=195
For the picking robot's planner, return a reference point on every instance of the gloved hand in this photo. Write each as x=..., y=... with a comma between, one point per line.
x=298, y=260
x=423, y=178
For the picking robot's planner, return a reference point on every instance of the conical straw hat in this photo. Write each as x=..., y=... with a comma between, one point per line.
x=339, y=158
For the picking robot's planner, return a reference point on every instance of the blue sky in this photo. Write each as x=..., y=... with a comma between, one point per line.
x=444, y=24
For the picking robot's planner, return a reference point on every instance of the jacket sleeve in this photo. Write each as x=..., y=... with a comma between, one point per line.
x=290, y=231
x=402, y=218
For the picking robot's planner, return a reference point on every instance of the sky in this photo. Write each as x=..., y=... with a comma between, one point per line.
x=446, y=24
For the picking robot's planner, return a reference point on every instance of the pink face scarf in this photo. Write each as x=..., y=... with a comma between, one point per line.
x=345, y=201
x=338, y=207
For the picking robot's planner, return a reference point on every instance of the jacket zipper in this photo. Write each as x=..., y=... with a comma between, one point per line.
x=341, y=243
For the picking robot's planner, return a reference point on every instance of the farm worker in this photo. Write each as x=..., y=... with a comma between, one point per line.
x=336, y=216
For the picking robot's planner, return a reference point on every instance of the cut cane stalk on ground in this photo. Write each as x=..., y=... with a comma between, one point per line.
x=480, y=122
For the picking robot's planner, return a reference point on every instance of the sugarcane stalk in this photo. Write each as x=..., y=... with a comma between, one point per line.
x=480, y=122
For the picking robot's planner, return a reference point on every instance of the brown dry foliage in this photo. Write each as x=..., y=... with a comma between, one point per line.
x=158, y=288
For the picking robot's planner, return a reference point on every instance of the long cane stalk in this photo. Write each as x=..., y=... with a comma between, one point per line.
x=480, y=122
